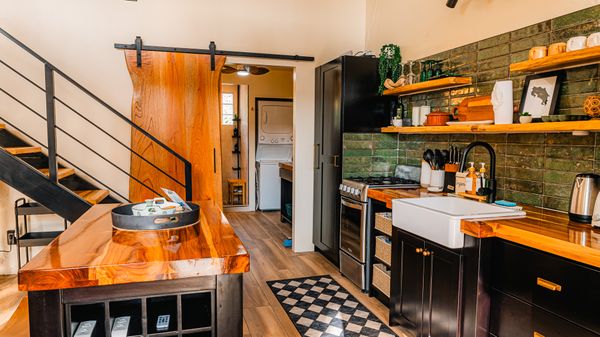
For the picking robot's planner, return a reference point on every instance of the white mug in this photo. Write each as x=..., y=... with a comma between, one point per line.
x=425, y=110
x=576, y=43
x=416, y=111
x=593, y=40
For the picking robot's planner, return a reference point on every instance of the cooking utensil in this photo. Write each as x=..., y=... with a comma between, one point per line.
x=429, y=156
x=583, y=197
x=438, y=158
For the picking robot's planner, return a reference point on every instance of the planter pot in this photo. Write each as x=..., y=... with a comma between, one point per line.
x=525, y=119
x=397, y=122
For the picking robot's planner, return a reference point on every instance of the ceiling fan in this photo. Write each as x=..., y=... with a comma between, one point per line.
x=244, y=70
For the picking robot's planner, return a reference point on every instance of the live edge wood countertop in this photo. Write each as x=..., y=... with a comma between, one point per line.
x=545, y=230
x=92, y=253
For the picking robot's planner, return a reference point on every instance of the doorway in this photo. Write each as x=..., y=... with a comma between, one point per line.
x=246, y=89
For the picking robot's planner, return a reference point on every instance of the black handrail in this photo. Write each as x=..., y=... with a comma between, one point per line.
x=84, y=118
x=50, y=70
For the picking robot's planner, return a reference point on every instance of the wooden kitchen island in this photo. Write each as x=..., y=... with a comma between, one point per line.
x=93, y=272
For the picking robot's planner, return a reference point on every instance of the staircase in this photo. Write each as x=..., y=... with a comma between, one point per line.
x=34, y=167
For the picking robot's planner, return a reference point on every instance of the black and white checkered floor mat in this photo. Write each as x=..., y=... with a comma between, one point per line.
x=319, y=307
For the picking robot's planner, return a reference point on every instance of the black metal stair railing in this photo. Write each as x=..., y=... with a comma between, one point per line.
x=50, y=119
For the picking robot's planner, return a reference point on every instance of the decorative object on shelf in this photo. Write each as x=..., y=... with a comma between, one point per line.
x=411, y=77
x=576, y=43
x=538, y=52
x=525, y=118
x=593, y=40
x=423, y=112
x=571, y=59
x=591, y=106
x=397, y=121
x=416, y=116
x=502, y=101
x=437, y=118
x=389, y=63
x=557, y=48
x=540, y=94
x=474, y=109
x=564, y=118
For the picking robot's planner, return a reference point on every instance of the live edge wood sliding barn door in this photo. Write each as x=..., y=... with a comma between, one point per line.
x=176, y=98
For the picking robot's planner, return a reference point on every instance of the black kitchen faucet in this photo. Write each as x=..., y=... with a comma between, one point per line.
x=490, y=190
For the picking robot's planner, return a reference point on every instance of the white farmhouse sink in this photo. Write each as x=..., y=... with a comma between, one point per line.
x=438, y=218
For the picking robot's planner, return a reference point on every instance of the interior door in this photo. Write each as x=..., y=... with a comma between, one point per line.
x=442, y=292
x=328, y=150
x=176, y=98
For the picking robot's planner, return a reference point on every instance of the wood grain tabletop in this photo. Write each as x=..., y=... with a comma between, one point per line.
x=93, y=253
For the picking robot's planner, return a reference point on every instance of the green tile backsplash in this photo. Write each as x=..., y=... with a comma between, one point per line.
x=536, y=169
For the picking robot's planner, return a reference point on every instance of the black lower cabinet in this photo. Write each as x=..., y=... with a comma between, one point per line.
x=539, y=294
x=426, y=287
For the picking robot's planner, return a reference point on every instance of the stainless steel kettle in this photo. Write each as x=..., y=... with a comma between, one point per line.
x=583, y=197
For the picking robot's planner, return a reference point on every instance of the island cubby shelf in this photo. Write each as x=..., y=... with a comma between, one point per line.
x=427, y=86
x=572, y=59
x=549, y=127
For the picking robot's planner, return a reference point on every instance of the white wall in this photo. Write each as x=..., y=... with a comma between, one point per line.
x=78, y=37
x=426, y=27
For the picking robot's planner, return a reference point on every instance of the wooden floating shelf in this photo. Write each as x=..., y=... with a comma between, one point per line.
x=427, y=86
x=567, y=60
x=549, y=127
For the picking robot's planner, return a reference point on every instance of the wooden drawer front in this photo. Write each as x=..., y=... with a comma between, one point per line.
x=510, y=317
x=562, y=287
x=567, y=289
x=383, y=249
x=512, y=270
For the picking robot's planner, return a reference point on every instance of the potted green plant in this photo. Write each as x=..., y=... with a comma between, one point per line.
x=525, y=118
x=389, y=64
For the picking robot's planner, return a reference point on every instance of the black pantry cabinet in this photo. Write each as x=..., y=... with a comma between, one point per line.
x=346, y=100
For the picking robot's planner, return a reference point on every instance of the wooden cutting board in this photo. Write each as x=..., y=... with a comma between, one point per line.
x=475, y=109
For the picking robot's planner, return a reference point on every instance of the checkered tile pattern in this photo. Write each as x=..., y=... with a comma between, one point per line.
x=319, y=307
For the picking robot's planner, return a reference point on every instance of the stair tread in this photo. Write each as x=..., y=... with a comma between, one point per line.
x=93, y=196
x=36, y=239
x=23, y=150
x=2, y=126
x=62, y=172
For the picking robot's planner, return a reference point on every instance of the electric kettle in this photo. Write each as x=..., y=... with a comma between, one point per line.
x=583, y=197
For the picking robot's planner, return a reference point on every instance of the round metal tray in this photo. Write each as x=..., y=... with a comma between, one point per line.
x=123, y=218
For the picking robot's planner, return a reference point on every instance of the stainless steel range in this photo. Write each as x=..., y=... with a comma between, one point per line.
x=354, y=228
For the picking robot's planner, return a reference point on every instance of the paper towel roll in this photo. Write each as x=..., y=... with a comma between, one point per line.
x=502, y=100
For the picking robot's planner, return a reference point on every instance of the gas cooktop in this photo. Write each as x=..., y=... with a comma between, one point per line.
x=381, y=182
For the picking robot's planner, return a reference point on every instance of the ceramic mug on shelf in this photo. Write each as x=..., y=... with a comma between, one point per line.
x=557, y=48
x=538, y=52
x=593, y=40
x=424, y=111
x=576, y=43
x=416, y=116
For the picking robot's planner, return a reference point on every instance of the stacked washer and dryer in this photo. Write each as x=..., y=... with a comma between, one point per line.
x=274, y=145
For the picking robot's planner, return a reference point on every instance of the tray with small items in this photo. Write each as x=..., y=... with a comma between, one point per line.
x=155, y=214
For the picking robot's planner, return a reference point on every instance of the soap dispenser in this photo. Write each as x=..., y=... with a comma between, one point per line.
x=481, y=181
x=471, y=180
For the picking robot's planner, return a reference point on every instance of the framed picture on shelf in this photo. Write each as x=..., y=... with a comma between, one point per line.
x=540, y=94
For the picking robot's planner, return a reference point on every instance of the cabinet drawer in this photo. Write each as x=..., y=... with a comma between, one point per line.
x=383, y=249
x=510, y=317
x=565, y=288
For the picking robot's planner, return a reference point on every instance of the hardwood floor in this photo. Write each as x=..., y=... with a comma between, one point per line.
x=262, y=234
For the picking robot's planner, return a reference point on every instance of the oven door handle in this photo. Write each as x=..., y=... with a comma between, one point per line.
x=359, y=207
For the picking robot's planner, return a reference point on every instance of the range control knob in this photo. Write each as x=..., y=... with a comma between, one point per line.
x=357, y=192
x=341, y=187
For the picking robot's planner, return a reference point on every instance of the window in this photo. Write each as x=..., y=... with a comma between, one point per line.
x=227, y=110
